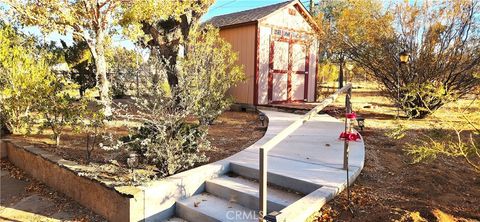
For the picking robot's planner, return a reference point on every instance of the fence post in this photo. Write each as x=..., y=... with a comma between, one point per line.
x=263, y=184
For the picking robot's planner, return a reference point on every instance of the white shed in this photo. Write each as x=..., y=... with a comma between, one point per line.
x=277, y=46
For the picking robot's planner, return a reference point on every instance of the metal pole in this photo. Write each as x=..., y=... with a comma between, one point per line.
x=348, y=109
x=263, y=184
x=398, y=90
x=348, y=129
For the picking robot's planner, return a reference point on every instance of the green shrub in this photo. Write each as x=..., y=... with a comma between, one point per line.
x=60, y=107
x=25, y=76
x=164, y=138
x=208, y=71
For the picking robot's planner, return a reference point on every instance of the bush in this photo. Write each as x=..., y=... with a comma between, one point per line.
x=60, y=108
x=208, y=71
x=96, y=132
x=164, y=138
x=24, y=79
x=463, y=141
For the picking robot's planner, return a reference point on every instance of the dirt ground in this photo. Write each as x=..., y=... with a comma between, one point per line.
x=25, y=199
x=390, y=187
x=232, y=132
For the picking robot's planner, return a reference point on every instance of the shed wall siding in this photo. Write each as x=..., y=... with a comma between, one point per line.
x=264, y=60
x=243, y=41
x=282, y=18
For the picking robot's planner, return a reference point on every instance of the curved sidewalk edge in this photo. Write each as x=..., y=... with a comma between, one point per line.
x=310, y=161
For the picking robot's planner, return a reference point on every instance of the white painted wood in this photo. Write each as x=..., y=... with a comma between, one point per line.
x=283, y=18
x=298, y=86
x=279, y=87
x=312, y=71
x=280, y=58
x=263, y=66
x=299, y=54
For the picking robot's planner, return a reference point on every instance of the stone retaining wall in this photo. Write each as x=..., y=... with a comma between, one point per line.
x=58, y=174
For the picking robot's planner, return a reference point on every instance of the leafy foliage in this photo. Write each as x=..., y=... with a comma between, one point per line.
x=211, y=63
x=463, y=142
x=24, y=79
x=123, y=65
x=81, y=64
x=60, y=108
x=442, y=39
x=91, y=21
x=164, y=138
x=166, y=31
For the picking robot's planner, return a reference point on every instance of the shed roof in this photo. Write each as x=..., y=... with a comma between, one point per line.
x=246, y=16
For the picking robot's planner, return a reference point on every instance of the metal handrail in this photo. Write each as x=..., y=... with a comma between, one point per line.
x=266, y=147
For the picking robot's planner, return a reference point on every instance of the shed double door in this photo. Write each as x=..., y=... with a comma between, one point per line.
x=288, y=76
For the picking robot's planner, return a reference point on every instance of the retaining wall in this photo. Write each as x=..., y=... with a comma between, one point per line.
x=111, y=203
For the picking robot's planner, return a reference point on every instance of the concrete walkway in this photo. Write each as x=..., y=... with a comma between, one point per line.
x=305, y=168
x=312, y=153
x=18, y=203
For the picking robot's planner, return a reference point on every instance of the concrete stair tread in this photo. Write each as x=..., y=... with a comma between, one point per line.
x=319, y=174
x=206, y=207
x=243, y=186
x=175, y=219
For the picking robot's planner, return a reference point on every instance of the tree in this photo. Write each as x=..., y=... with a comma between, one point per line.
x=91, y=20
x=81, y=64
x=165, y=139
x=123, y=64
x=443, y=41
x=167, y=30
x=25, y=75
x=329, y=12
x=60, y=108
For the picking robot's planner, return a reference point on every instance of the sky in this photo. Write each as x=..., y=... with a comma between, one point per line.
x=229, y=6
x=220, y=7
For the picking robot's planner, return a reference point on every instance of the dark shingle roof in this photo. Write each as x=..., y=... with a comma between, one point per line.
x=245, y=16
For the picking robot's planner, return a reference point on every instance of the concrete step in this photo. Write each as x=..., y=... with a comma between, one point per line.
x=206, y=207
x=245, y=192
x=175, y=219
x=287, y=180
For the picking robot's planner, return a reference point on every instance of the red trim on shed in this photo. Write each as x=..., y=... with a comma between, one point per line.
x=257, y=62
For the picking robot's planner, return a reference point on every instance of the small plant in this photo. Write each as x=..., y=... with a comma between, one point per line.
x=397, y=132
x=95, y=130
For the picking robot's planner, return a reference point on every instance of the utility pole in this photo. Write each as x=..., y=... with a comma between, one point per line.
x=311, y=7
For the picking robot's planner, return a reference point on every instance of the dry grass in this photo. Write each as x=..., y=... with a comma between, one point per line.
x=390, y=187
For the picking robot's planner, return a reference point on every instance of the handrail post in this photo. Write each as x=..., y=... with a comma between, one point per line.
x=262, y=205
x=263, y=157
x=348, y=109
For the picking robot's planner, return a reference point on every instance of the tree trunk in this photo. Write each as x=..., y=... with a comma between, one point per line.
x=57, y=139
x=340, y=75
x=101, y=75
